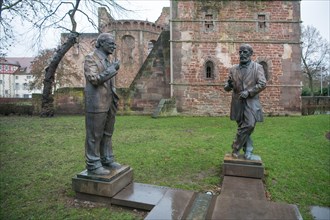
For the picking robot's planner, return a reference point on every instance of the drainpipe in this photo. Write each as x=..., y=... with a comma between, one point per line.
x=171, y=50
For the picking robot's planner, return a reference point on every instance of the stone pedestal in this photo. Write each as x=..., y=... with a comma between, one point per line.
x=103, y=185
x=243, y=168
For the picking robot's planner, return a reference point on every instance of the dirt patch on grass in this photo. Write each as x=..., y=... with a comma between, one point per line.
x=327, y=135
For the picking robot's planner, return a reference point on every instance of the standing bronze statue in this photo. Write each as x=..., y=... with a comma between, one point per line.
x=101, y=102
x=246, y=80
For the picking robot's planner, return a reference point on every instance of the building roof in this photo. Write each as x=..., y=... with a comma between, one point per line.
x=23, y=62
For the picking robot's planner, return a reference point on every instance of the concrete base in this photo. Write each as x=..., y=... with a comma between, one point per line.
x=105, y=185
x=243, y=168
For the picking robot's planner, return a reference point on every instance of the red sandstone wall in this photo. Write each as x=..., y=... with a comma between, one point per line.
x=133, y=39
x=232, y=23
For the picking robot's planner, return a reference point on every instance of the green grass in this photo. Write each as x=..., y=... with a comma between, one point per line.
x=40, y=156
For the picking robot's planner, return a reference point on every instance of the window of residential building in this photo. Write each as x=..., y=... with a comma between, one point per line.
x=28, y=77
x=17, y=86
x=209, y=70
x=6, y=92
x=16, y=77
x=25, y=86
x=0, y=82
x=26, y=96
x=17, y=95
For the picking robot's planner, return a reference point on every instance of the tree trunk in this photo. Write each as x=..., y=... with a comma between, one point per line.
x=47, y=105
x=311, y=86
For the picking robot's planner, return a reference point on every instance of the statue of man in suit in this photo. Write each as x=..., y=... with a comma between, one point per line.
x=101, y=102
x=246, y=80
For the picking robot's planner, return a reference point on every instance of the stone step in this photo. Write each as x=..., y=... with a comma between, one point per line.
x=249, y=209
x=244, y=188
x=173, y=205
x=140, y=196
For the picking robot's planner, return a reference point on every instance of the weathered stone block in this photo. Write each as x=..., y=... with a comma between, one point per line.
x=243, y=168
x=107, y=185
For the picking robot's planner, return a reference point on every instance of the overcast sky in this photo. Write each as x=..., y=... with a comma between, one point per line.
x=313, y=12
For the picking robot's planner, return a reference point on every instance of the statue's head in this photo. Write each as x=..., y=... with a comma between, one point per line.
x=245, y=53
x=106, y=43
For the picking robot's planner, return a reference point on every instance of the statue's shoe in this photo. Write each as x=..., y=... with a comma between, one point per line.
x=248, y=156
x=235, y=154
x=99, y=171
x=113, y=165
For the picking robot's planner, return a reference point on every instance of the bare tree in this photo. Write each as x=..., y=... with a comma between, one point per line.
x=46, y=14
x=66, y=73
x=315, y=54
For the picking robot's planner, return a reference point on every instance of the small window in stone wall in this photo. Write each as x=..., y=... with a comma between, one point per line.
x=209, y=70
x=262, y=25
x=265, y=66
x=209, y=25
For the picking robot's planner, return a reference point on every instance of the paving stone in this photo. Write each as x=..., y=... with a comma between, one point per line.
x=140, y=196
x=102, y=187
x=229, y=208
x=244, y=188
x=200, y=207
x=173, y=205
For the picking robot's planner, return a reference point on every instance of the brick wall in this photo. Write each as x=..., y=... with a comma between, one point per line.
x=213, y=31
x=151, y=84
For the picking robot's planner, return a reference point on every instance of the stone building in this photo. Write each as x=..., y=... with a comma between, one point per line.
x=186, y=55
x=205, y=38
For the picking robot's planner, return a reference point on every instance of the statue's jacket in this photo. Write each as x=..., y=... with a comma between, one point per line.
x=253, y=81
x=100, y=93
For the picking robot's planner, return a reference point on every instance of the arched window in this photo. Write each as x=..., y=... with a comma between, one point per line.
x=128, y=45
x=151, y=45
x=209, y=70
x=265, y=66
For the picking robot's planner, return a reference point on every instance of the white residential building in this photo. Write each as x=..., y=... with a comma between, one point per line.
x=15, y=77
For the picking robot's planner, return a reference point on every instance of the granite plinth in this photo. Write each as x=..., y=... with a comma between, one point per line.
x=243, y=168
x=229, y=208
x=105, y=185
x=139, y=196
x=245, y=188
x=173, y=205
x=106, y=178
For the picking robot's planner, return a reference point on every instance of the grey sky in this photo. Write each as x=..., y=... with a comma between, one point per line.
x=313, y=12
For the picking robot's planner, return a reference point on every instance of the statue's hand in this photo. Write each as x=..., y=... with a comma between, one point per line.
x=111, y=69
x=116, y=64
x=244, y=94
x=229, y=85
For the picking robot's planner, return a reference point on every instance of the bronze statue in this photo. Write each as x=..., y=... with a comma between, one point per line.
x=101, y=102
x=246, y=80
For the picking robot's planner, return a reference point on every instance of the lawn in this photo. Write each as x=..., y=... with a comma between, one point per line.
x=40, y=156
